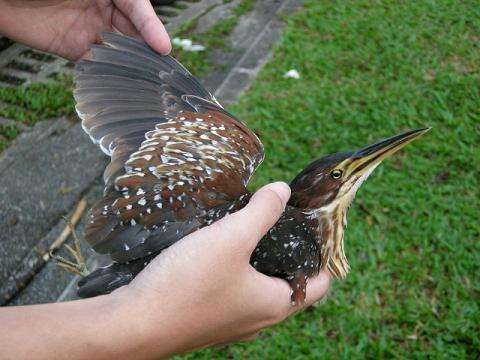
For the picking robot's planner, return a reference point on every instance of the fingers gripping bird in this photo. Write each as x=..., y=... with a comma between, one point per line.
x=179, y=162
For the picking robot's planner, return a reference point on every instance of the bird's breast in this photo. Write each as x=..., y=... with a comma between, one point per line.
x=289, y=247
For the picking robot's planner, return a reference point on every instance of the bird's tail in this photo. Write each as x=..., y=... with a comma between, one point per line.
x=104, y=280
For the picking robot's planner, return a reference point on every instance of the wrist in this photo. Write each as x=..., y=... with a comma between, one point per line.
x=107, y=333
x=137, y=328
x=156, y=323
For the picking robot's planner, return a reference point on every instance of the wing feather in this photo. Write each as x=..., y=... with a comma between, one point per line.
x=178, y=159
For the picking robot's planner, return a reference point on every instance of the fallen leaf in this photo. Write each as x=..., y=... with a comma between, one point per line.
x=442, y=176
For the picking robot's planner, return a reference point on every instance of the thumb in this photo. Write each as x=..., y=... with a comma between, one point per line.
x=243, y=229
x=262, y=212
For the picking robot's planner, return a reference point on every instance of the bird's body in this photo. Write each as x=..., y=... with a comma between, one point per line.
x=180, y=162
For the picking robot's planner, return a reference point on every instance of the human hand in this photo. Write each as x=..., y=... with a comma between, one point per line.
x=68, y=28
x=202, y=290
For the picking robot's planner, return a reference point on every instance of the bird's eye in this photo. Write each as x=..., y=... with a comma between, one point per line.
x=211, y=195
x=336, y=174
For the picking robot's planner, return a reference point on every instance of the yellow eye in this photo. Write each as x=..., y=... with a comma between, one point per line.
x=336, y=174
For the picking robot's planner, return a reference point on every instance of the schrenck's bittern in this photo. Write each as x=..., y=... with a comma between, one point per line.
x=179, y=162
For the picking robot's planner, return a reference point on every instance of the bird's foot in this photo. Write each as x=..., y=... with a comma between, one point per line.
x=77, y=268
x=298, y=283
x=78, y=265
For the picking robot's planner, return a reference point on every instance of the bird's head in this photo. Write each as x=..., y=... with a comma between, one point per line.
x=327, y=187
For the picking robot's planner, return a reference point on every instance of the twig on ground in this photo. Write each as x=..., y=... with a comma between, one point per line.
x=77, y=214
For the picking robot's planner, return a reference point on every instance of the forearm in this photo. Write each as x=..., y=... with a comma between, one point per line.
x=82, y=329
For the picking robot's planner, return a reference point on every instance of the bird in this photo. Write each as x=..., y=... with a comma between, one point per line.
x=180, y=161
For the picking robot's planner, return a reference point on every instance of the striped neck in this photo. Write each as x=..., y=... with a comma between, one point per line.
x=332, y=221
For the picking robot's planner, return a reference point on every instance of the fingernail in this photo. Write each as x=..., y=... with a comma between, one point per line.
x=282, y=190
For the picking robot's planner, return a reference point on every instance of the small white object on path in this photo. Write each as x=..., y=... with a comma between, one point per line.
x=292, y=74
x=187, y=45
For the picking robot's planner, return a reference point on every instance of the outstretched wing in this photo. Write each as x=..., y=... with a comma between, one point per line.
x=178, y=159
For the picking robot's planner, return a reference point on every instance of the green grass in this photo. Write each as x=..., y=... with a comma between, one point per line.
x=7, y=134
x=370, y=70
x=34, y=102
x=38, y=101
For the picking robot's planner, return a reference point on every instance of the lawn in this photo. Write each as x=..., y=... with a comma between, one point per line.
x=370, y=69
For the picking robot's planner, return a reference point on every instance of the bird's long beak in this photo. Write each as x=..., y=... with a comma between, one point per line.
x=366, y=159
